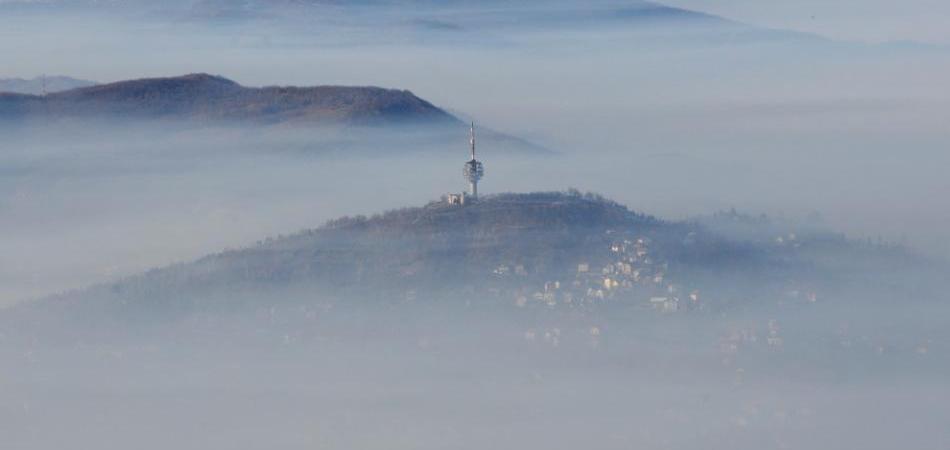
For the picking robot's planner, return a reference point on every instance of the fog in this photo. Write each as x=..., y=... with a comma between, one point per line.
x=79, y=209
x=865, y=20
x=672, y=117
x=815, y=126
x=431, y=377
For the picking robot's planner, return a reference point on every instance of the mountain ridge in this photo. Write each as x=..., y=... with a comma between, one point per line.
x=495, y=252
x=417, y=15
x=201, y=96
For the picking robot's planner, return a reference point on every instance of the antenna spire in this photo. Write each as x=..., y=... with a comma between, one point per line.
x=472, y=140
x=473, y=170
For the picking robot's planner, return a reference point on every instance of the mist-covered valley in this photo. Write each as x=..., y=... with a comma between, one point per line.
x=487, y=325
x=693, y=231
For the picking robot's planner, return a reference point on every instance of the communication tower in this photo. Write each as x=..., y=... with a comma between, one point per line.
x=473, y=170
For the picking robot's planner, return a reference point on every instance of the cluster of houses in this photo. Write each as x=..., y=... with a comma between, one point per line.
x=630, y=274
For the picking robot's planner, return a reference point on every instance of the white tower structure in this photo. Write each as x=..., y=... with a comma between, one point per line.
x=473, y=169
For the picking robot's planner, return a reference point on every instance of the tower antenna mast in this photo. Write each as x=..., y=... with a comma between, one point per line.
x=473, y=169
x=472, y=140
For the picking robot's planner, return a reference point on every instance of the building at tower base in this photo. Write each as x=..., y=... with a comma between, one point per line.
x=455, y=199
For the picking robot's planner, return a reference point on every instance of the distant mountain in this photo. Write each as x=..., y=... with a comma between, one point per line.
x=494, y=9
x=478, y=22
x=560, y=250
x=489, y=21
x=202, y=97
x=632, y=9
x=36, y=86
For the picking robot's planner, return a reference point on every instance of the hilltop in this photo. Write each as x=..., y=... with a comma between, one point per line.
x=557, y=250
x=209, y=98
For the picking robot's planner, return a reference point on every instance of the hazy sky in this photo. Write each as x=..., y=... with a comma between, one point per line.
x=865, y=20
x=673, y=129
x=679, y=123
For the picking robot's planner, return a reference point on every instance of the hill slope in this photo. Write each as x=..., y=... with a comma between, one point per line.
x=563, y=250
x=204, y=97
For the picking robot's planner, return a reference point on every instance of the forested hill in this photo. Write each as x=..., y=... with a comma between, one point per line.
x=203, y=97
x=568, y=249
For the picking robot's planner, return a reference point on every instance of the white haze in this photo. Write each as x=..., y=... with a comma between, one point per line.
x=672, y=127
x=865, y=20
x=79, y=209
x=851, y=374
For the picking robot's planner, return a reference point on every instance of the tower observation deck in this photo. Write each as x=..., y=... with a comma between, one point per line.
x=473, y=169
